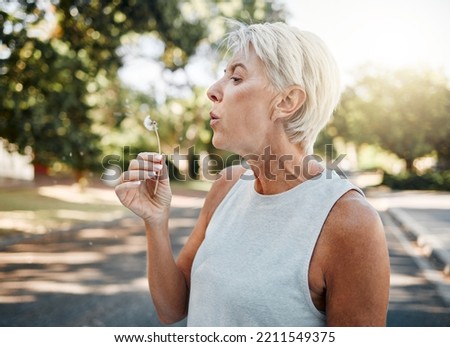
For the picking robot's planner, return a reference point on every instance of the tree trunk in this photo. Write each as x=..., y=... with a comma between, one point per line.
x=409, y=165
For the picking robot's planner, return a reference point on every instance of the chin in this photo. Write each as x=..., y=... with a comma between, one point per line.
x=219, y=143
x=216, y=140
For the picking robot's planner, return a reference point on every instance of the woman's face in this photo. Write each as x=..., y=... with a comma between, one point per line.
x=242, y=102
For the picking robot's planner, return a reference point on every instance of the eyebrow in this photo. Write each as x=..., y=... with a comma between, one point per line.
x=236, y=65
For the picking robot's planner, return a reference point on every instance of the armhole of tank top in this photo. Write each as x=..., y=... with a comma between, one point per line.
x=307, y=293
x=309, y=300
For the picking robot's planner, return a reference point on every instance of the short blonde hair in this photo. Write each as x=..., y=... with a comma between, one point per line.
x=294, y=57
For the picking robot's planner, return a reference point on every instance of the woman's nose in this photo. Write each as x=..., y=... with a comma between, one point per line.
x=214, y=93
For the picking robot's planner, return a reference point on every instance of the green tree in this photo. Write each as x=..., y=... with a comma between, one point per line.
x=60, y=94
x=403, y=111
x=437, y=123
x=184, y=120
x=58, y=61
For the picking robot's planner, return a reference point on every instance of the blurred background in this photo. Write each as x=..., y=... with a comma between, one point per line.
x=78, y=77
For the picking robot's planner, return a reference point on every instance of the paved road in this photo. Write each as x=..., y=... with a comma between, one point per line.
x=96, y=277
x=91, y=277
x=424, y=216
x=416, y=287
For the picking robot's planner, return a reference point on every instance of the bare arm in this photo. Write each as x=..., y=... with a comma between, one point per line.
x=137, y=192
x=168, y=280
x=355, y=265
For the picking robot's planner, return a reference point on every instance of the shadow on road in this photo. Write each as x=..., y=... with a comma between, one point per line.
x=413, y=300
x=96, y=276
x=89, y=277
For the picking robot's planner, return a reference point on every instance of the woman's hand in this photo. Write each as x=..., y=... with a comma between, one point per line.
x=137, y=188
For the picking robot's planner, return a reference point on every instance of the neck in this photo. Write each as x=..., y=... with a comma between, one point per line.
x=280, y=168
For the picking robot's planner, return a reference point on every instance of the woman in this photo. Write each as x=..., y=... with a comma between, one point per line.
x=286, y=243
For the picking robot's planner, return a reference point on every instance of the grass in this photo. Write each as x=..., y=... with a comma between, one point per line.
x=31, y=200
x=40, y=210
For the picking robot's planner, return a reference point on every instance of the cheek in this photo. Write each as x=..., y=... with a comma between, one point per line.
x=246, y=102
x=248, y=105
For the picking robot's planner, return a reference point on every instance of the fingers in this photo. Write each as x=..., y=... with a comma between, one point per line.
x=146, y=161
x=138, y=175
x=147, y=165
x=143, y=165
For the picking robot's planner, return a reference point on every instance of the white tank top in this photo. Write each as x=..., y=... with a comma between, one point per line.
x=252, y=267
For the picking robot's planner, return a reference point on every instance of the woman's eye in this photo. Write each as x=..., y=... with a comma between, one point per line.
x=236, y=79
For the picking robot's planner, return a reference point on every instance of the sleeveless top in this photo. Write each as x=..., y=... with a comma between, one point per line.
x=252, y=267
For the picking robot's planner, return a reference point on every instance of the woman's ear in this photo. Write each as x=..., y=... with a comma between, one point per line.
x=289, y=102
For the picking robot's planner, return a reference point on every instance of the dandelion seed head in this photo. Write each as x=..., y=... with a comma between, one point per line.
x=150, y=124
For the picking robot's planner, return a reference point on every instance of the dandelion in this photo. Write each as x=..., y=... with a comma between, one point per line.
x=152, y=125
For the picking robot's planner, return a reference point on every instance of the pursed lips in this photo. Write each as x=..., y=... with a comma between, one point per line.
x=214, y=119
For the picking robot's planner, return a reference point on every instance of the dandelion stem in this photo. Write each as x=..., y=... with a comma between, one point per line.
x=152, y=125
x=159, y=152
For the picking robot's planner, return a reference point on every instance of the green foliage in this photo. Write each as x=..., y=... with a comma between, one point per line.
x=60, y=93
x=183, y=121
x=434, y=180
x=62, y=59
x=324, y=143
x=403, y=111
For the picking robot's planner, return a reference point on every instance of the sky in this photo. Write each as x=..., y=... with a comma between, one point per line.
x=387, y=33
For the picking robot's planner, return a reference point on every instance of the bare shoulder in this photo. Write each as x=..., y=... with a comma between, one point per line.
x=353, y=229
x=356, y=263
x=353, y=217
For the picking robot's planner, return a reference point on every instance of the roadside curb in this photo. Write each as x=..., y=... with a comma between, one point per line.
x=431, y=247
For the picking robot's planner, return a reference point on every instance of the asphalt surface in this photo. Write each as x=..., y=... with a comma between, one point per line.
x=96, y=276
x=417, y=288
x=424, y=216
